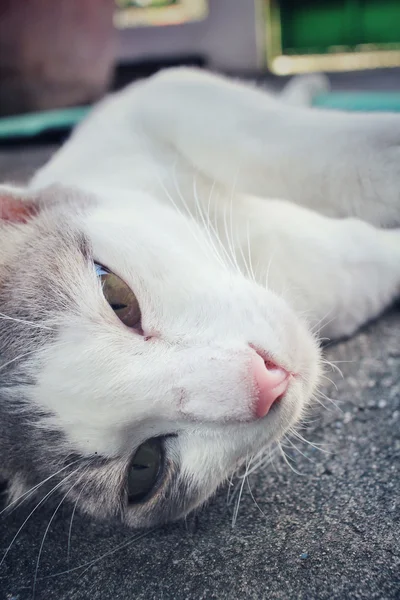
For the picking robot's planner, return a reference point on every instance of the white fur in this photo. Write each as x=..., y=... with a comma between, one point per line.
x=175, y=162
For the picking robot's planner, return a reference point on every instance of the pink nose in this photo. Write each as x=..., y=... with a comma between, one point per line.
x=272, y=383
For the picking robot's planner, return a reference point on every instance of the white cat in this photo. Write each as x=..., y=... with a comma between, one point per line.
x=157, y=308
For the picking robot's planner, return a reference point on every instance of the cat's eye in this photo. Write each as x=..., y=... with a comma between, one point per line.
x=144, y=470
x=120, y=297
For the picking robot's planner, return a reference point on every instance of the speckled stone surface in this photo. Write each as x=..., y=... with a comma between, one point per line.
x=330, y=531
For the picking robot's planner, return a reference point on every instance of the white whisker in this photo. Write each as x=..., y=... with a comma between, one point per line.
x=293, y=445
x=254, y=500
x=236, y=510
x=33, y=489
x=24, y=322
x=330, y=380
x=286, y=459
x=55, y=488
x=96, y=560
x=47, y=530
x=71, y=522
x=206, y=225
x=303, y=439
x=249, y=251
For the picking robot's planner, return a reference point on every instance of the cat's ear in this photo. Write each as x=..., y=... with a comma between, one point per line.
x=15, y=205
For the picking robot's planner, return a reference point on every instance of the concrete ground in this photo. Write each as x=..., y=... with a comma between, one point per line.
x=329, y=531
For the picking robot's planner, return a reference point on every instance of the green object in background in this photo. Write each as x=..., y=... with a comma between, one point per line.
x=332, y=35
x=35, y=124
x=315, y=26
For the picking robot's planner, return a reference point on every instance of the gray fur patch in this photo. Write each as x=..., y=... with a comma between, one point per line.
x=34, y=291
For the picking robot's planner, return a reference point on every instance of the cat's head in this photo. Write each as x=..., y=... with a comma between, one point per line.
x=135, y=369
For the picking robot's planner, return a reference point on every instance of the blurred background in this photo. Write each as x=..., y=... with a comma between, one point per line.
x=62, y=55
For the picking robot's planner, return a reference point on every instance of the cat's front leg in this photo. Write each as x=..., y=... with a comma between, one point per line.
x=339, y=273
x=340, y=164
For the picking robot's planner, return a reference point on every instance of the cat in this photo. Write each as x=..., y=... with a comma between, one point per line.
x=164, y=280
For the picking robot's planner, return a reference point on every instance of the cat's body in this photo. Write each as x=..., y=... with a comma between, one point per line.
x=166, y=185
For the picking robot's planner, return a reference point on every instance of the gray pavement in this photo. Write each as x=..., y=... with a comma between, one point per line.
x=329, y=531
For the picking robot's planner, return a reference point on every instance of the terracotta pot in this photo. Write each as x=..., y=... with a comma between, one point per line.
x=54, y=53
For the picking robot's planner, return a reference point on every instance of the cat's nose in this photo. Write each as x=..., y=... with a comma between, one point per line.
x=272, y=383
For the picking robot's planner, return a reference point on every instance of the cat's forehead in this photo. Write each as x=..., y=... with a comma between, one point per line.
x=166, y=261
x=46, y=253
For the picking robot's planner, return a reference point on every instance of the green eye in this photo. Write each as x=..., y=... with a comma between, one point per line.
x=120, y=297
x=144, y=470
